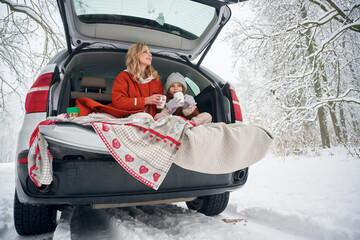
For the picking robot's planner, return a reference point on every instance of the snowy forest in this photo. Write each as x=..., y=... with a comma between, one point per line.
x=297, y=65
x=301, y=58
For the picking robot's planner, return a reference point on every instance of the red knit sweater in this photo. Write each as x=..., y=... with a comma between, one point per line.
x=127, y=96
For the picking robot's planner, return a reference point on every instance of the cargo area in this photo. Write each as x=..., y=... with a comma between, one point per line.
x=92, y=73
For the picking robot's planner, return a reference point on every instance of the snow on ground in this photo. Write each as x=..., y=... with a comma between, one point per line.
x=293, y=197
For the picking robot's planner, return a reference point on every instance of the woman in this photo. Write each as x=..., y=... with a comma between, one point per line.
x=137, y=89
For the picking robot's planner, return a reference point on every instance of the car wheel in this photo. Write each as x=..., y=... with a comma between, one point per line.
x=33, y=219
x=210, y=205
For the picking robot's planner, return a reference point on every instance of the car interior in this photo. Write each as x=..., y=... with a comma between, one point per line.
x=91, y=74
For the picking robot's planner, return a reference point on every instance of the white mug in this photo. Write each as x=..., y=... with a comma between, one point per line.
x=180, y=97
x=163, y=101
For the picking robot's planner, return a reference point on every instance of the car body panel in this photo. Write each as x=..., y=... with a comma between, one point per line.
x=30, y=122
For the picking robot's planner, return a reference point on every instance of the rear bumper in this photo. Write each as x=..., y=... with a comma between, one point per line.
x=99, y=179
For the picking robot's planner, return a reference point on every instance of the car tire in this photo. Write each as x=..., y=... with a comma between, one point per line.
x=210, y=205
x=33, y=219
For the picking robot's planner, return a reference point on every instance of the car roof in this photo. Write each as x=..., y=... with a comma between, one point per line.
x=183, y=27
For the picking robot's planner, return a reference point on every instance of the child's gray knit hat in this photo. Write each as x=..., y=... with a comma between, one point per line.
x=175, y=77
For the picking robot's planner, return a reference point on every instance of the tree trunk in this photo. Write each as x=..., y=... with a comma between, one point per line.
x=335, y=123
x=332, y=106
x=324, y=133
x=343, y=123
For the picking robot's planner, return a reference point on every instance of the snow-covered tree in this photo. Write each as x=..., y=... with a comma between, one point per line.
x=31, y=33
x=306, y=55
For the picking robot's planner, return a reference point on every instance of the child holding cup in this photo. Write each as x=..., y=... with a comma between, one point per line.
x=179, y=103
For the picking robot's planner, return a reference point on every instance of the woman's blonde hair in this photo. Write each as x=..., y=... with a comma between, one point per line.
x=133, y=64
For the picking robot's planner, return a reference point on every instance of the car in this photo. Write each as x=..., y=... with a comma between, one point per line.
x=98, y=34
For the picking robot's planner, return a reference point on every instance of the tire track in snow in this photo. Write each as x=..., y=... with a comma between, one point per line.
x=166, y=221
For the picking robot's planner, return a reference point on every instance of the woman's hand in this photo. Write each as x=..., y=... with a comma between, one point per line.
x=154, y=99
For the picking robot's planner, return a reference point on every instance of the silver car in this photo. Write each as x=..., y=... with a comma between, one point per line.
x=98, y=34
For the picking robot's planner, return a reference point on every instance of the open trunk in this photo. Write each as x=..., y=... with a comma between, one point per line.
x=106, y=65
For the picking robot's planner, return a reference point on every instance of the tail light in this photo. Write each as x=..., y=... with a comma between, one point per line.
x=236, y=105
x=36, y=99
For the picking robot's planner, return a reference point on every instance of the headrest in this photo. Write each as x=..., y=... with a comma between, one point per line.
x=93, y=82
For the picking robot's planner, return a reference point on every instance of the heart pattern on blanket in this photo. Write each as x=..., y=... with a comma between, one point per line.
x=178, y=127
x=105, y=127
x=143, y=169
x=129, y=158
x=149, y=161
x=116, y=144
x=156, y=177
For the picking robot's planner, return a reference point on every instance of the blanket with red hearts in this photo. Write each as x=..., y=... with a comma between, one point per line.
x=145, y=149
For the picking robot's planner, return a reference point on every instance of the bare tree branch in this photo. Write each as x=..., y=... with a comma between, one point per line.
x=345, y=18
x=342, y=14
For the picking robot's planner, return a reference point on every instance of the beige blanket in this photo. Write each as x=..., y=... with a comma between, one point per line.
x=222, y=148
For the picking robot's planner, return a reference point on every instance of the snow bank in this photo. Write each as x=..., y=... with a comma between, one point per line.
x=295, y=197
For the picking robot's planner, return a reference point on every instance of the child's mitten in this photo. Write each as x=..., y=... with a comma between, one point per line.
x=189, y=102
x=172, y=105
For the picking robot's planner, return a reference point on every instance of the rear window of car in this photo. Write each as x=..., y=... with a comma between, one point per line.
x=185, y=18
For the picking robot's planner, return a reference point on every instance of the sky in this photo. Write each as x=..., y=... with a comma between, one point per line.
x=222, y=50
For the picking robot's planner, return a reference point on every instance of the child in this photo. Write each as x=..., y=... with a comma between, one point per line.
x=176, y=83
